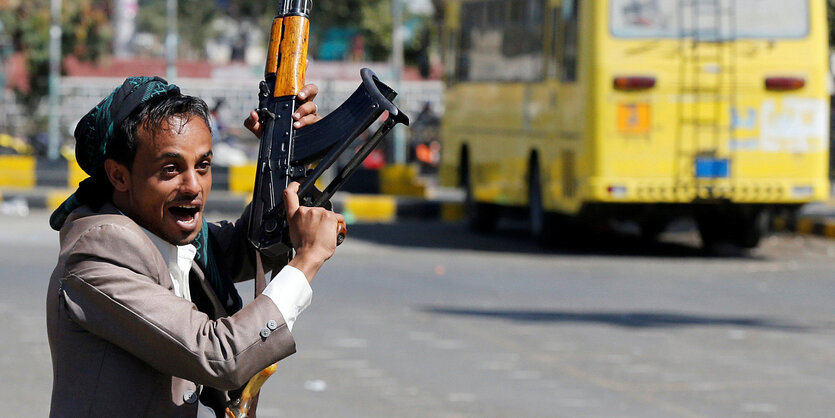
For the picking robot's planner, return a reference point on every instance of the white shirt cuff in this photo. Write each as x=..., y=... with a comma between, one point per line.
x=291, y=293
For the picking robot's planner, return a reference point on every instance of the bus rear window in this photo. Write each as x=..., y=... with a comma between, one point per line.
x=709, y=19
x=501, y=40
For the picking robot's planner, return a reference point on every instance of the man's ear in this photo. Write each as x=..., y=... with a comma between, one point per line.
x=118, y=174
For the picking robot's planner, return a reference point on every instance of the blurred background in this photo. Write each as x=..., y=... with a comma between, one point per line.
x=600, y=208
x=74, y=52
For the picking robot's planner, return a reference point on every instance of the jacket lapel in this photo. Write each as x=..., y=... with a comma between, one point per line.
x=202, y=294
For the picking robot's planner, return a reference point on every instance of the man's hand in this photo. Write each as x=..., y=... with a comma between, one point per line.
x=313, y=232
x=306, y=114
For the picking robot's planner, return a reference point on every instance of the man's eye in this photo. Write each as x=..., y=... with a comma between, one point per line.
x=205, y=165
x=169, y=169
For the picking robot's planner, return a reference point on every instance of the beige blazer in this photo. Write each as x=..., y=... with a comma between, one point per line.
x=123, y=344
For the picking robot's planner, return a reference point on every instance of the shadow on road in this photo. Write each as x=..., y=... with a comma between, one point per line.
x=637, y=319
x=514, y=239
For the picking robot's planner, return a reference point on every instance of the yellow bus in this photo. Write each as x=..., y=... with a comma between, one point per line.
x=646, y=110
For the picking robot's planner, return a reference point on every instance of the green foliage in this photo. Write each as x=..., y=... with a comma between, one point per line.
x=373, y=20
x=830, y=17
x=87, y=28
x=347, y=13
x=86, y=34
x=194, y=22
x=375, y=23
x=371, y=17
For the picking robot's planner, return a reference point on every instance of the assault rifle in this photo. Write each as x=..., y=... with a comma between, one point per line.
x=286, y=153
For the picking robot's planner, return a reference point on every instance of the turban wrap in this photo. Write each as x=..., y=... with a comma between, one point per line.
x=96, y=130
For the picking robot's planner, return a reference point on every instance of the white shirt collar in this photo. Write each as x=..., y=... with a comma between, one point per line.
x=178, y=258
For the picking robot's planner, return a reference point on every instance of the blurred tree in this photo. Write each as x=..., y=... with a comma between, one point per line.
x=5, y=52
x=830, y=17
x=86, y=34
x=194, y=23
x=373, y=20
x=370, y=18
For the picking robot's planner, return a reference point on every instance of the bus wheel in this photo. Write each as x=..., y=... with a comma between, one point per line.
x=652, y=227
x=751, y=225
x=742, y=227
x=713, y=227
x=542, y=224
x=480, y=217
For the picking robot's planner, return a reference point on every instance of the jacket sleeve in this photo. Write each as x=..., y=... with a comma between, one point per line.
x=239, y=253
x=109, y=289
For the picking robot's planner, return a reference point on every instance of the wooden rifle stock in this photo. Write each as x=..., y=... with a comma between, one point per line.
x=240, y=407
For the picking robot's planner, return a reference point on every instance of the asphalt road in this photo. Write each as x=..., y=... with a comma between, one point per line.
x=425, y=319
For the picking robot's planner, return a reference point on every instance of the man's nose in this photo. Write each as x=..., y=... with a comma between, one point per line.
x=189, y=184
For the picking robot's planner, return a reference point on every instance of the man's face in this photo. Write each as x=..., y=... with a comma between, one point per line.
x=171, y=179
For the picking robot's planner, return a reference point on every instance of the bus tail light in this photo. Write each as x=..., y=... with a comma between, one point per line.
x=784, y=83
x=617, y=192
x=634, y=83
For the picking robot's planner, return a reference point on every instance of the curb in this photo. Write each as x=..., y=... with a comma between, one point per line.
x=28, y=172
x=357, y=208
x=395, y=192
x=805, y=225
x=369, y=208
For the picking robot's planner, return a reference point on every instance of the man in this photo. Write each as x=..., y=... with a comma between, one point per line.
x=142, y=314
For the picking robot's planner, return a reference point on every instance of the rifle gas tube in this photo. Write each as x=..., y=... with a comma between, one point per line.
x=286, y=152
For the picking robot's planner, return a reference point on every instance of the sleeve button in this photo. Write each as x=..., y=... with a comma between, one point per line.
x=265, y=332
x=272, y=325
x=190, y=397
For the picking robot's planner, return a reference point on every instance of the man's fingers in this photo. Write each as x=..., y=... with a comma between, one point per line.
x=252, y=123
x=252, y=119
x=306, y=114
x=308, y=92
x=308, y=108
x=307, y=120
x=291, y=199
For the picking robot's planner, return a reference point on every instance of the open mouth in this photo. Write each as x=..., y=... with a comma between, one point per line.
x=184, y=214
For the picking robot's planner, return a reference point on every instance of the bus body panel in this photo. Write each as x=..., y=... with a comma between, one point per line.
x=710, y=102
x=707, y=130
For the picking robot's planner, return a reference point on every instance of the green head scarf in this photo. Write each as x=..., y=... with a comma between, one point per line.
x=94, y=132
